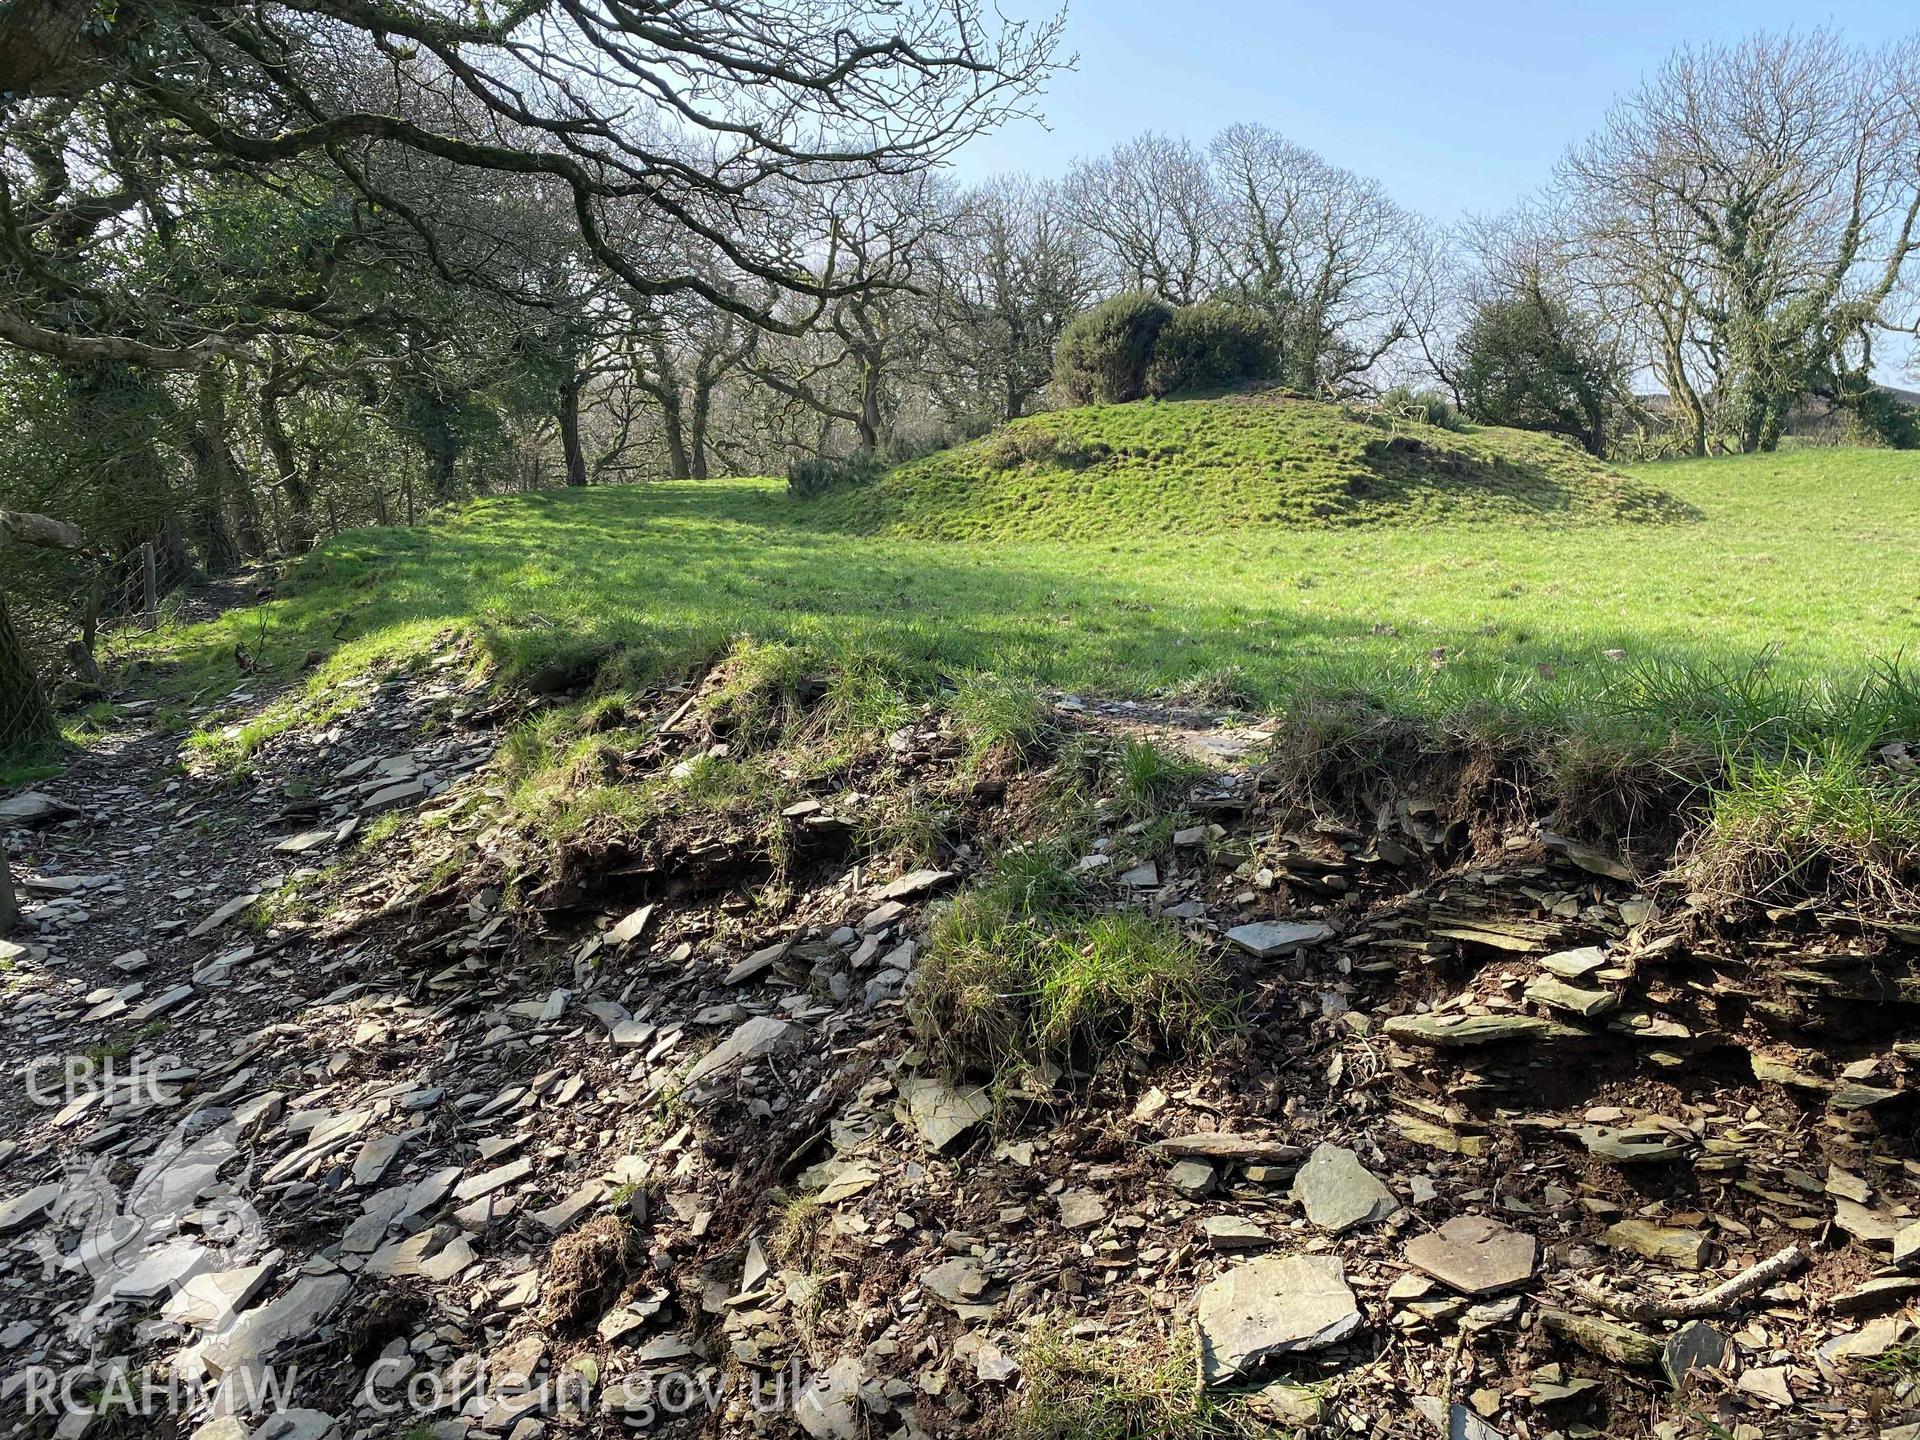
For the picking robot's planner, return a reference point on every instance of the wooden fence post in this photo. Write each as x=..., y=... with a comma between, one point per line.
x=150, y=584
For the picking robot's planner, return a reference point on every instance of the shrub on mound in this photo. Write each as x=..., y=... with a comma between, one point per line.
x=1213, y=346
x=811, y=476
x=1103, y=354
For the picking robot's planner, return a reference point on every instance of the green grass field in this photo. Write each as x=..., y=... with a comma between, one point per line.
x=1808, y=561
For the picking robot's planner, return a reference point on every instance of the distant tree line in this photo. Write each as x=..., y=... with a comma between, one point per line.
x=271, y=273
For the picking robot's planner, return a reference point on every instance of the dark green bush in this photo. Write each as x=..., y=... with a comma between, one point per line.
x=1534, y=363
x=1880, y=418
x=814, y=475
x=1103, y=353
x=1213, y=346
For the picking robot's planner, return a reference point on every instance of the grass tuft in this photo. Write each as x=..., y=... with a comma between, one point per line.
x=1829, y=823
x=1078, y=1390
x=1012, y=978
x=1149, y=778
x=1001, y=716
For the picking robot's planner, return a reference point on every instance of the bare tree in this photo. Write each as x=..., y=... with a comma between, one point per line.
x=865, y=346
x=1756, y=206
x=589, y=102
x=1009, y=271
x=1339, y=264
x=1150, y=209
x=1518, y=339
x=679, y=355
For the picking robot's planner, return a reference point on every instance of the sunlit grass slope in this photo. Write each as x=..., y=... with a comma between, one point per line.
x=1814, y=556
x=1203, y=467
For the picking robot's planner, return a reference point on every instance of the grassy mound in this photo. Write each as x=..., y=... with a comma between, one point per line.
x=1198, y=467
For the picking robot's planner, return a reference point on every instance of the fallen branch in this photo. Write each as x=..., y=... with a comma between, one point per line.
x=21, y=333
x=42, y=532
x=1720, y=1298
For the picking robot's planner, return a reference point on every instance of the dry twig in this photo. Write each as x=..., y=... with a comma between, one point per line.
x=1720, y=1298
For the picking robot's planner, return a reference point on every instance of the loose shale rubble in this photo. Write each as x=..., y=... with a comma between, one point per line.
x=1511, y=1135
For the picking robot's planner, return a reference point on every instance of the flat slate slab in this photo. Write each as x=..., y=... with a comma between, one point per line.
x=1575, y=964
x=1225, y=1146
x=940, y=1113
x=758, y=963
x=914, y=883
x=1668, y=1244
x=30, y=807
x=762, y=1035
x=1557, y=994
x=1338, y=1192
x=1474, y=1255
x=1234, y=1232
x=1450, y=1032
x=1267, y=939
x=28, y=1207
x=240, y=1353
x=1633, y=1144
x=1278, y=1305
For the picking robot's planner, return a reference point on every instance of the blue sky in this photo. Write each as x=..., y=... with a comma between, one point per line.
x=1458, y=108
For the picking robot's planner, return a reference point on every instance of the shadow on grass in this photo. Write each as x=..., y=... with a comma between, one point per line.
x=663, y=575
x=1417, y=473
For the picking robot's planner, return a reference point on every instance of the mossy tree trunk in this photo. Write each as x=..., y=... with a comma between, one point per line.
x=568, y=411
x=219, y=480
x=9, y=907
x=300, y=529
x=26, y=719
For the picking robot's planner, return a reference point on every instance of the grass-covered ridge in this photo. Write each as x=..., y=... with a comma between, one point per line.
x=1204, y=467
x=1763, y=651
x=1805, y=559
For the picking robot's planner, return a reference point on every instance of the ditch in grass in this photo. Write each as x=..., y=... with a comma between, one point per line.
x=631, y=584
x=1495, y=635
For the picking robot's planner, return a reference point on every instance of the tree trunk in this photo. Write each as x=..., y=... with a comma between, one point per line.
x=286, y=466
x=247, y=526
x=149, y=584
x=219, y=552
x=1753, y=419
x=9, y=907
x=85, y=668
x=569, y=415
x=702, y=411
x=220, y=481
x=26, y=719
x=121, y=408
x=869, y=422
x=674, y=426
